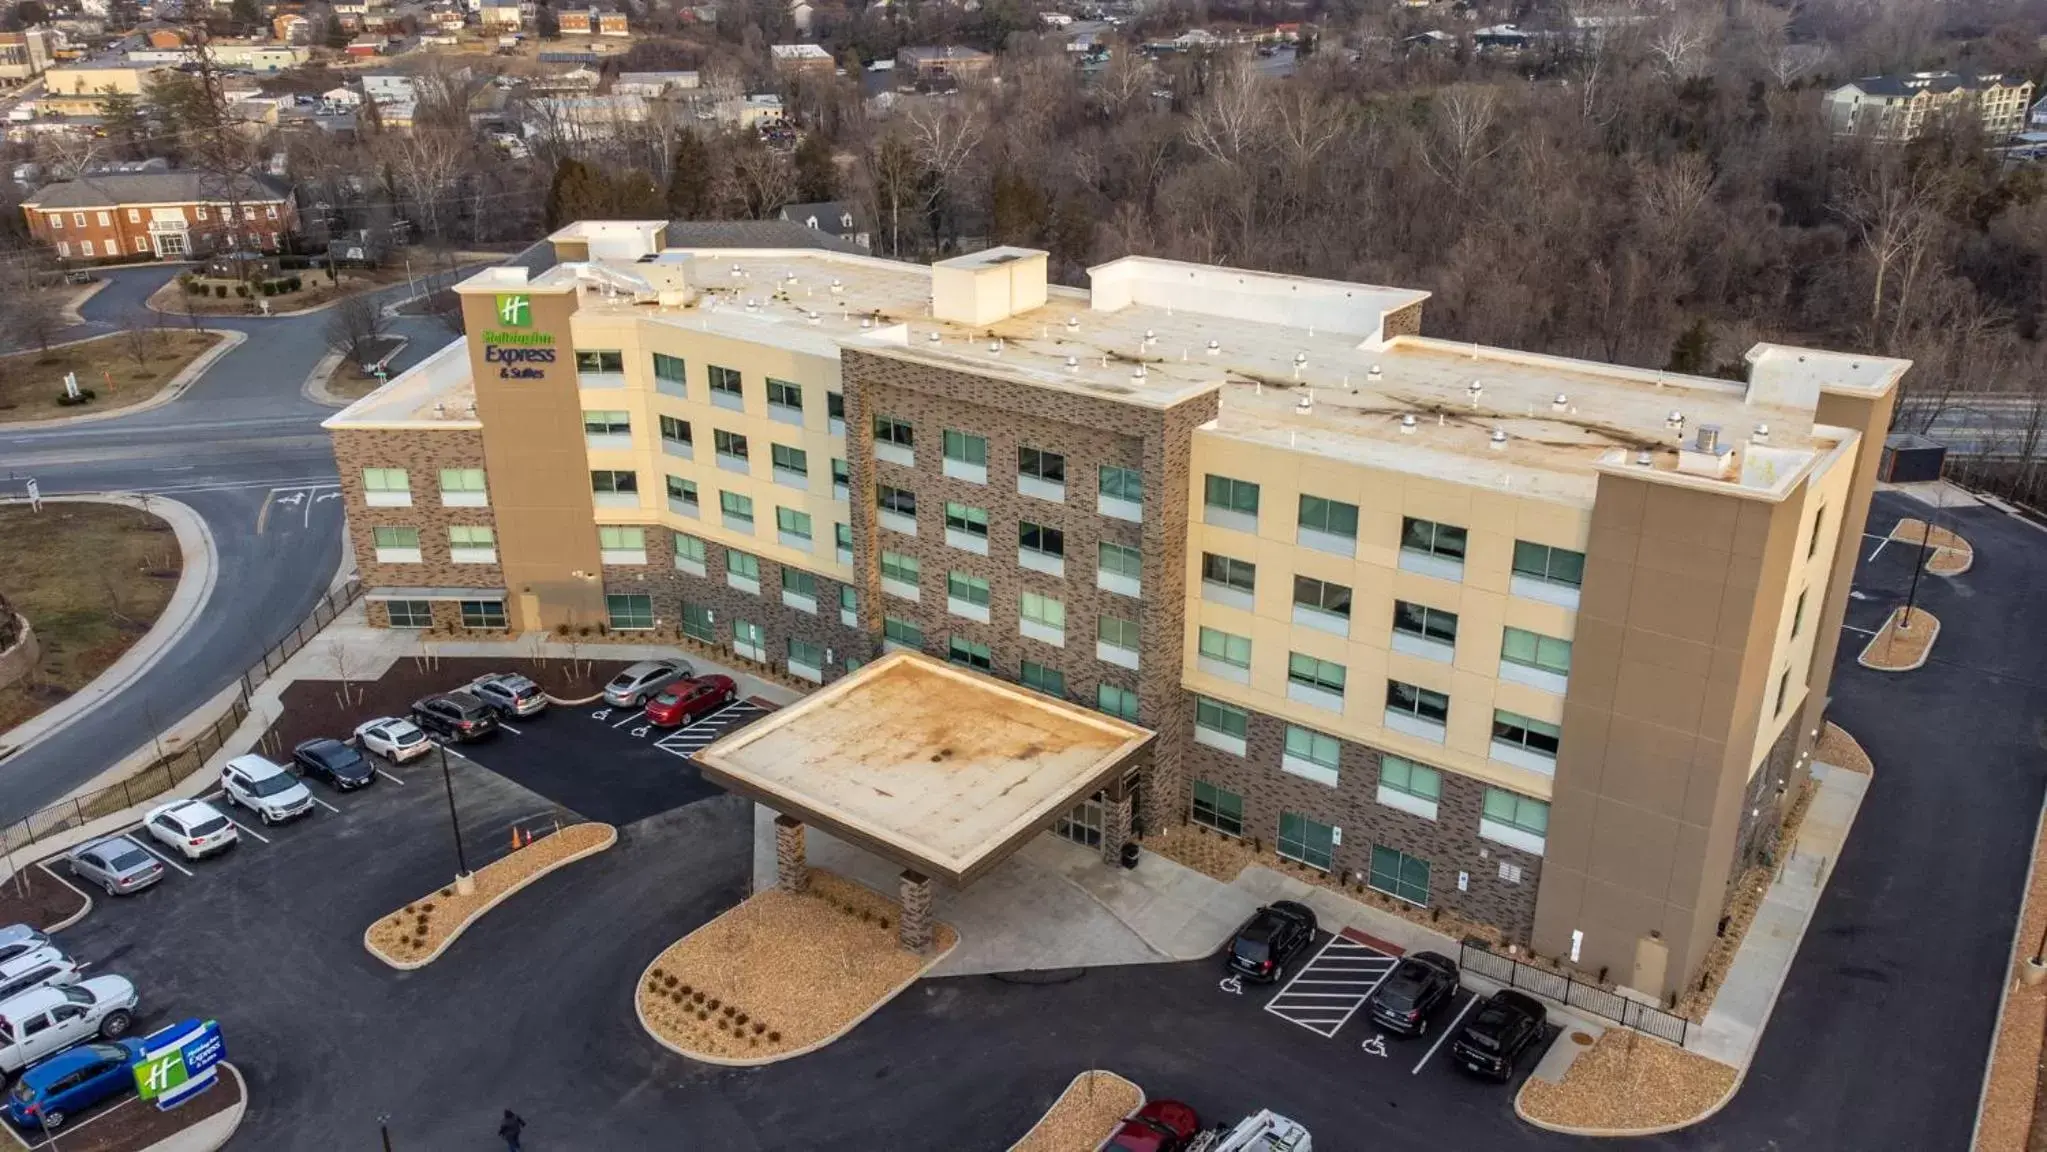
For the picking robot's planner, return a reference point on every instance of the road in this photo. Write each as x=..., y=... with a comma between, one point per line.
x=241, y=438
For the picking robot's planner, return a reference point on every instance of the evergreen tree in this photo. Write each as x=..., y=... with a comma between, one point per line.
x=246, y=14
x=567, y=193
x=126, y=128
x=817, y=177
x=689, y=179
x=1692, y=351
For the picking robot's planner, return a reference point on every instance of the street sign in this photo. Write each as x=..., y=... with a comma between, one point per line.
x=179, y=1062
x=35, y=495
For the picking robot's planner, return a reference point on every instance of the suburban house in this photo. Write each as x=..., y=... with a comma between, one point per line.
x=501, y=14
x=1894, y=109
x=831, y=217
x=596, y=20
x=173, y=215
x=25, y=55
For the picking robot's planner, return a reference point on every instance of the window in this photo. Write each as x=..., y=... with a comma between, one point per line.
x=793, y=526
x=1045, y=611
x=966, y=448
x=1216, y=716
x=966, y=588
x=396, y=539
x=736, y=509
x=1235, y=575
x=961, y=650
x=1217, y=808
x=201, y=210
x=799, y=582
x=1047, y=468
x=1237, y=499
x=594, y=361
x=134, y=216
x=615, y=538
x=730, y=444
x=670, y=370
x=409, y=613
x=675, y=431
x=849, y=604
x=57, y=224
x=461, y=536
x=807, y=654
x=690, y=548
x=1225, y=648
x=1040, y=539
x=965, y=518
x=684, y=492
x=1308, y=841
x=1311, y=755
x=1819, y=521
x=791, y=460
x=1423, y=622
x=1559, y=566
x=1322, y=596
x=725, y=382
x=1428, y=538
x=1534, y=650
x=1398, y=874
x=85, y=247
x=1122, y=483
x=744, y=565
x=1117, y=632
x=835, y=406
x=1783, y=691
x=1526, y=734
x=1329, y=517
x=900, y=567
x=749, y=640
x=78, y=219
x=248, y=213
x=630, y=613
x=483, y=614
x=1050, y=681
x=1418, y=702
x=606, y=480
x=1119, y=569
x=1118, y=702
x=900, y=501
x=783, y=394
x=386, y=482
x=1798, y=613
x=902, y=632
x=696, y=623
x=842, y=478
x=889, y=430
x=1515, y=811
x=609, y=423
x=1311, y=672
x=842, y=539
x=1409, y=786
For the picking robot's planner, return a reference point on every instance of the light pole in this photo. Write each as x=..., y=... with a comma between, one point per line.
x=454, y=821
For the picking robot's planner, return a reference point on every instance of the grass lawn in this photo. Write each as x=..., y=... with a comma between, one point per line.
x=91, y=578
x=172, y=297
x=30, y=382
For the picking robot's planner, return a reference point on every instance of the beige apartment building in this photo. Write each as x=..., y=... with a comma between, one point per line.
x=1544, y=643
x=1897, y=108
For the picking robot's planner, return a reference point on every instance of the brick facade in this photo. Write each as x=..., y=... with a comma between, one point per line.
x=1763, y=804
x=123, y=229
x=1450, y=843
x=422, y=453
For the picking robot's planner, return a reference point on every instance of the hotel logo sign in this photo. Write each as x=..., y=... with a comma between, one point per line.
x=517, y=350
x=515, y=310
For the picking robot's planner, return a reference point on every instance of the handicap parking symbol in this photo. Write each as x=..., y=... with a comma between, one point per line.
x=641, y=731
x=1232, y=985
x=1376, y=1046
x=601, y=714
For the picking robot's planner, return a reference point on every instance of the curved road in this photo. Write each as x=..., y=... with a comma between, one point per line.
x=240, y=438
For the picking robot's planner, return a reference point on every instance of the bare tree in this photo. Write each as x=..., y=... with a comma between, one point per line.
x=1232, y=116
x=1895, y=213
x=766, y=180
x=1679, y=44
x=28, y=312
x=355, y=322
x=140, y=337
x=1461, y=136
x=944, y=137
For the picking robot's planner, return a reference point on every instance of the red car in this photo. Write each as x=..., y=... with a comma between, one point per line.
x=687, y=700
x=1160, y=1126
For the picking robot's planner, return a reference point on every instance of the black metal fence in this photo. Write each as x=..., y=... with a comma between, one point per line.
x=174, y=764
x=1563, y=989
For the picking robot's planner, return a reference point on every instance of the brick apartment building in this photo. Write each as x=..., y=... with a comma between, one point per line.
x=170, y=215
x=1539, y=641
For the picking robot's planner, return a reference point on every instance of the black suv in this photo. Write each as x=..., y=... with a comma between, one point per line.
x=1416, y=988
x=1272, y=937
x=455, y=715
x=1502, y=1029
x=336, y=763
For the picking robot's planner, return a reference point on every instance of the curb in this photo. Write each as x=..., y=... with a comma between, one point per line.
x=1968, y=561
x=314, y=388
x=553, y=699
x=71, y=312
x=75, y=917
x=214, y=1131
x=1075, y=1083
x=183, y=610
x=2011, y=980
x=225, y=340
x=473, y=917
x=1862, y=657
x=762, y=1061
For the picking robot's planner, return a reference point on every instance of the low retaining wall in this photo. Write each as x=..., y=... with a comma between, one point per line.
x=16, y=662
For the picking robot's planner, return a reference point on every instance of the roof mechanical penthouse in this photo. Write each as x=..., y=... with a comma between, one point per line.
x=1541, y=641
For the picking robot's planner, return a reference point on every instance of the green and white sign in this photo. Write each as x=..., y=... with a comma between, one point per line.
x=515, y=310
x=178, y=1061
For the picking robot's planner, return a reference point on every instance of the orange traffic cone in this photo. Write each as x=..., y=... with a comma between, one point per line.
x=515, y=839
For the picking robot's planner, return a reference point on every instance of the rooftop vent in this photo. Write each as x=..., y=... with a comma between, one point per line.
x=1761, y=434
x=1137, y=371
x=1374, y=374
x=837, y=288
x=865, y=322
x=1306, y=403
x=737, y=272
x=1498, y=440
x=1407, y=424
x=1707, y=439
x=994, y=347
x=934, y=338
x=1644, y=458
x=1561, y=403
x=752, y=304
x=1073, y=363
x=1675, y=421
x=813, y=316
x=1073, y=323
x=1214, y=347
x=1150, y=337
x=1475, y=389
x=1706, y=455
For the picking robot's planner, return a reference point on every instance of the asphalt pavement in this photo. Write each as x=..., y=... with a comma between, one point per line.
x=244, y=448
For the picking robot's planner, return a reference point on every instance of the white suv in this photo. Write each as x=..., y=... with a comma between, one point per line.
x=266, y=789
x=35, y=969
x=35, y=1024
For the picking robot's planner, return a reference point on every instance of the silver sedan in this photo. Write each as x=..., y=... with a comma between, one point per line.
x=117, y=864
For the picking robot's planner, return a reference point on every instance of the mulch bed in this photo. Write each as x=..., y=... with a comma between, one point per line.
x=316, y=707
x=1084, y=1114
x=1900, y=649
x=133, y=1125
x=1628, y=1081
x=47, y=900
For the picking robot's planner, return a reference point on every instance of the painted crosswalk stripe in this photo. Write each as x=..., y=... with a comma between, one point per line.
x=1331, y=987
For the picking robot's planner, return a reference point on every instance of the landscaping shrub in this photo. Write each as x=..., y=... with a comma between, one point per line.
x=759, y=1027
x=220, y=291
x=774, y=1037
x=85, y=396
x=242, y=290
x=294, y=284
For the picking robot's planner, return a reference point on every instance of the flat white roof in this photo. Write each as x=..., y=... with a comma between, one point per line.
x=437, y=392
x=938, y=768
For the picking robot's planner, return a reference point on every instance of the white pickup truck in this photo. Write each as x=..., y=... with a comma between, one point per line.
x=1268, y=1131
x=50, y=1019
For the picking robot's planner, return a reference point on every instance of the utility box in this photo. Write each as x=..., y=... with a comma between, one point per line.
x=1911, y=459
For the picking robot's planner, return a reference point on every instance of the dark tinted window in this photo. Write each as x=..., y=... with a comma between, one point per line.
x=209, y=827
x=132, y=858
x=1255, y=951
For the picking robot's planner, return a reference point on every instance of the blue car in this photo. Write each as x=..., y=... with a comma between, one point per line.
x=72, y=1081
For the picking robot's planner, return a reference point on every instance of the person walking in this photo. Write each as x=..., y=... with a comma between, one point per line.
x=510, y=1129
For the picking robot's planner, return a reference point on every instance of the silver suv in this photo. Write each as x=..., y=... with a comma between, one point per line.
x=640, y=683
x=511, y=694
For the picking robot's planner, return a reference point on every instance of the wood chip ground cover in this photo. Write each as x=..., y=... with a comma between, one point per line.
x=417, y=930
x=1838, y=748
x=1627, y=1081
x=1948, y=553
x=782, y=972
x=1897, y=647
x=1084, y=1114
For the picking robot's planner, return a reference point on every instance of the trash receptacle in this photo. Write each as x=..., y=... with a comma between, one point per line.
x=1130, y=854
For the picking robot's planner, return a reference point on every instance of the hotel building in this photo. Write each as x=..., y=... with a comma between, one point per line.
x=1539, y=641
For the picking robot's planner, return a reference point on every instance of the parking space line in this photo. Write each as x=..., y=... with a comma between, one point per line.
x=630, y=717
x=1357, y=969
x=324, y=804
x=1454, y=1022
x=504, y=727
x=246, y=828
x=160, y=856
x=391, y=778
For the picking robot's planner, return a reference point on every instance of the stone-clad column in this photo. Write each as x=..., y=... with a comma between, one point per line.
x=915, y=930
x=1115, y=822
x=791, y=873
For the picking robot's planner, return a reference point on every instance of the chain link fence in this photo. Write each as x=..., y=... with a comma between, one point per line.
x=1628, y=1013
x=171, y=766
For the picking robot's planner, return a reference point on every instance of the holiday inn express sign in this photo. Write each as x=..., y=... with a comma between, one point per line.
x=516, y=351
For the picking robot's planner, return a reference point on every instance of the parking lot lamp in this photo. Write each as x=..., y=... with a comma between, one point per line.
x=454, y=820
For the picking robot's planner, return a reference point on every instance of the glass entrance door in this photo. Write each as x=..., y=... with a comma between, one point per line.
x=1083, y=823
